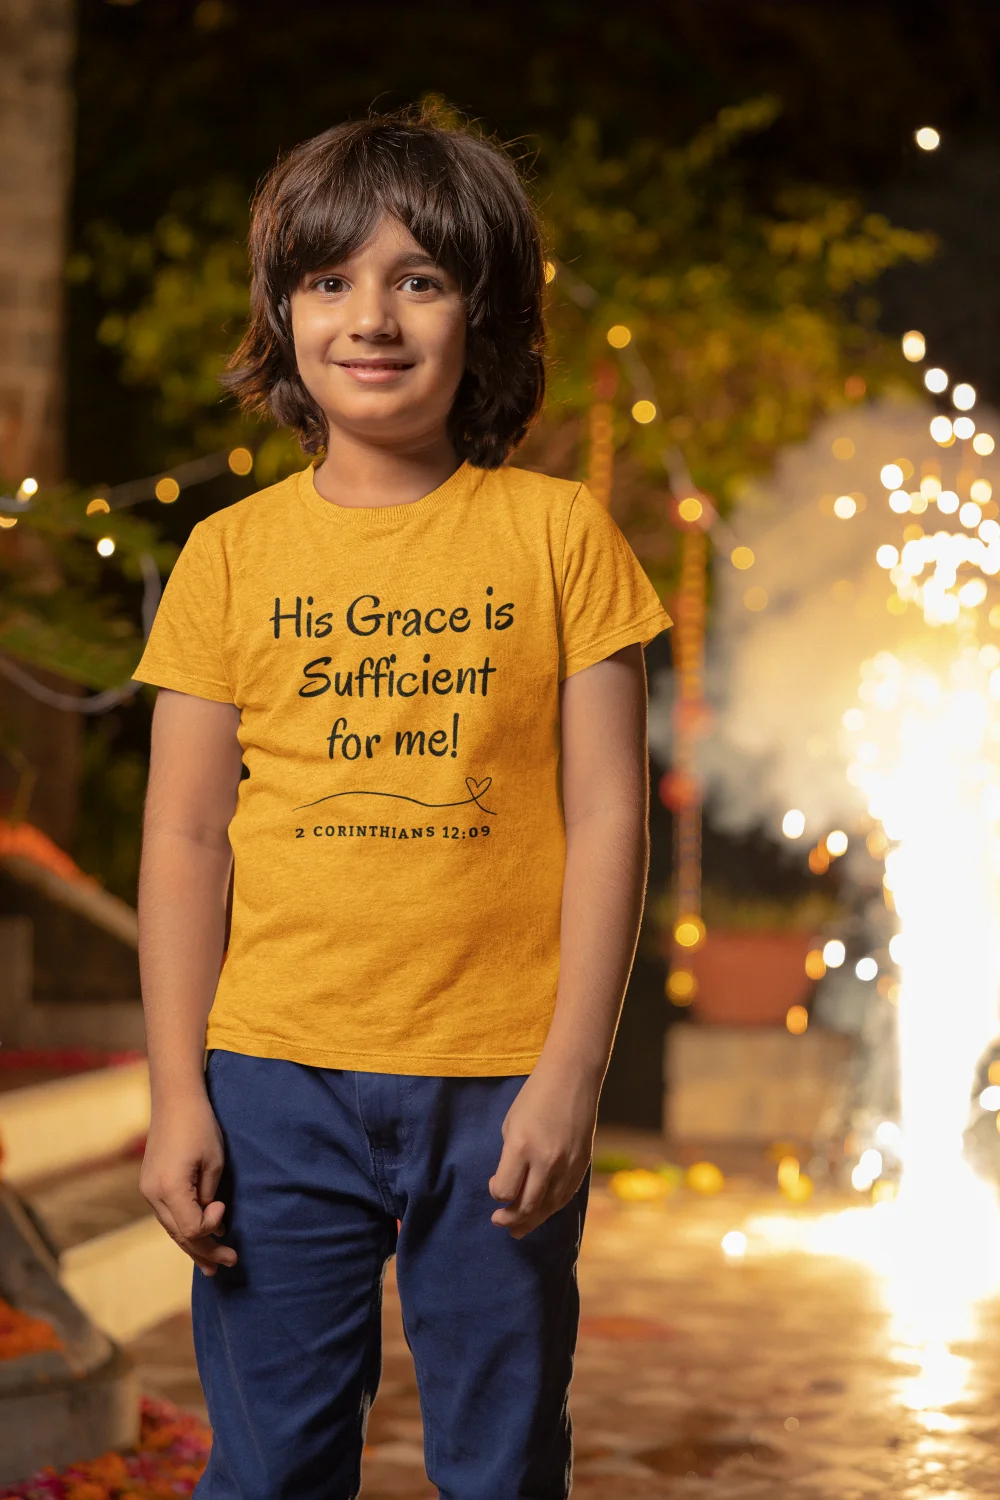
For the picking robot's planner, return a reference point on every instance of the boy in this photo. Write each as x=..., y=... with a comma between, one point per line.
x=404, y=691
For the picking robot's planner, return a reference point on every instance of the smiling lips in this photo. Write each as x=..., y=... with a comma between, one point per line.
x=374, y=371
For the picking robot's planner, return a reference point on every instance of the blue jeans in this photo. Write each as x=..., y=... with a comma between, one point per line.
x=320, y=1164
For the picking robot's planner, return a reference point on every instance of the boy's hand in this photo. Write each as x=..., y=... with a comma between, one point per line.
x=548, y=1139
x=180, y=1173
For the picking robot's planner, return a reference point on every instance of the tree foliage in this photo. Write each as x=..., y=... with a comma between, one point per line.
x=57, y=610
x=749, y=319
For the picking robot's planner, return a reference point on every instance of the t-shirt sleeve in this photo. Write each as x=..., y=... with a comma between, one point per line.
x=185, y=649
x=607, y=601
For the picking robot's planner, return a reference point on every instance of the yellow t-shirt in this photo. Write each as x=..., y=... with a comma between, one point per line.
x=398, y=838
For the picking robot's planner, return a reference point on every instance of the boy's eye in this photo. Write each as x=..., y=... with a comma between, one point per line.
x=330, y=284
x=421, y=284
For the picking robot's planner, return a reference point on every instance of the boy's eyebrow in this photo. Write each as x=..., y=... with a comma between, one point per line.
x=416, y=258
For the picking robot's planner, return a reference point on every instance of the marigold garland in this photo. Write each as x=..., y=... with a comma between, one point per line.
x=21, y=1334
x=171, y=1457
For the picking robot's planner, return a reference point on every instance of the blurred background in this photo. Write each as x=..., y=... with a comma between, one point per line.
x=736, y=190
x=772, y=233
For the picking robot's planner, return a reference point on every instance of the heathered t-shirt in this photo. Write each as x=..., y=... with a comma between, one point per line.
x=398, y=840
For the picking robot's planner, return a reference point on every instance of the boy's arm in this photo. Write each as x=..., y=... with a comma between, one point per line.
x=194, y=775
x=549, y=1130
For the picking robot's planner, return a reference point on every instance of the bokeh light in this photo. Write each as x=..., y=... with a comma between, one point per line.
x=240, y=460
x=167, y=490
x=914, y=346
x=815, y=964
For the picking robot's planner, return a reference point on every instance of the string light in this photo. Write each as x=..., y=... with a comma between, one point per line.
x=619, y=337
x=742, y=558
x=815, y=964
x=834, y=953
x=887, y=556
x=983, y=444
x=167, y=490
x=98, y=506
x=866, y=969
x=836, y=843
x=963, y=428
x=689, y=931
x=845, y=506
x=941, y=431
x=927, y=138
x=106, y=546
x=793, y=824
x=936, y=380
x=27, y=488
x=914, y=346
x=891, y=476
x=682, y=986
x=240, y=460
x=690, y=508
x=964, y=396
x=899, y=501
x=644, y=411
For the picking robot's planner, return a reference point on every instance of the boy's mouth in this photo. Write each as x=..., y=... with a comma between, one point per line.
x=374, y=371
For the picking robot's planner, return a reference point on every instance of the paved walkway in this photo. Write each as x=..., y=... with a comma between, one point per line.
x=773, y=1377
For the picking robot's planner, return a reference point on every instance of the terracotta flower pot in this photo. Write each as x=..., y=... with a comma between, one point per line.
x=750, y=978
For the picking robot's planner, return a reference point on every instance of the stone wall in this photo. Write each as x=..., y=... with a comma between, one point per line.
x=36, y=52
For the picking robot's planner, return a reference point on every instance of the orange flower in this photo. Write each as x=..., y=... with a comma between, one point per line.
x=86, y=1489
x=22, y=1334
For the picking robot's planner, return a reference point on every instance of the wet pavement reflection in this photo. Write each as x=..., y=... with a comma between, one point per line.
x=784, y=1373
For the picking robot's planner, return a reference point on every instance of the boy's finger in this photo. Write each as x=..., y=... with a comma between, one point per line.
x=505, y=1184
x=208, y=1181
x=533, y=1191
x=196, y=1232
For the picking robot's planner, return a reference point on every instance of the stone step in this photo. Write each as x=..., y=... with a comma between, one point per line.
x=56, y=1127
x=63, y=1143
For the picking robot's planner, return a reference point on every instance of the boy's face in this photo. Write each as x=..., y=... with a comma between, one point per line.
x=380, y=340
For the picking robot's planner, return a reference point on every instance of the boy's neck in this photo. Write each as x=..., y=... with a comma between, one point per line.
x=358, y=475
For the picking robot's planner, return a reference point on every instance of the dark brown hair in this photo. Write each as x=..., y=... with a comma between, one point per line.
x=461, y=198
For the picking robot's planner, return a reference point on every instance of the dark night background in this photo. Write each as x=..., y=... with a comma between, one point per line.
x=173, y=95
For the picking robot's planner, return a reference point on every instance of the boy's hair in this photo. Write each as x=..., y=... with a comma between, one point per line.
x=462, y=200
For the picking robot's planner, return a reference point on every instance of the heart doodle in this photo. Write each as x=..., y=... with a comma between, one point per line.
x=478, y=788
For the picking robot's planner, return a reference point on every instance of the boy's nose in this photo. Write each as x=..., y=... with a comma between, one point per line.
x=373, y=318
